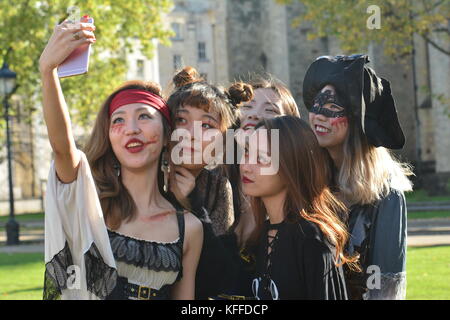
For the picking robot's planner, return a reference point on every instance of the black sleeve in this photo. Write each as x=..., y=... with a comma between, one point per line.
x=323, y=280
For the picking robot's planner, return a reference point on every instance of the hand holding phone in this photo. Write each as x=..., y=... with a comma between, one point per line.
x=78, y=61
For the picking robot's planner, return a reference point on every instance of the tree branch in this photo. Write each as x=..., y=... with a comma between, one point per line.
x=435, y=45
x=442, y=30
x=427, y=10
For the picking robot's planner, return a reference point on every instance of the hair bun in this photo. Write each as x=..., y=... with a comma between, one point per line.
x=240, y=92
x=186, y=76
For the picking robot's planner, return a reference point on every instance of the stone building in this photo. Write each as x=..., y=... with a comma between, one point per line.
x=232, y=39
x=199, y=41
x=261, y=38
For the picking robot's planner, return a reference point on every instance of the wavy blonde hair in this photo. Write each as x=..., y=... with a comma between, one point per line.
x=369, y=173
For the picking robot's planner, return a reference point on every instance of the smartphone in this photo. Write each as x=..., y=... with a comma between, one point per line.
x=77, y=62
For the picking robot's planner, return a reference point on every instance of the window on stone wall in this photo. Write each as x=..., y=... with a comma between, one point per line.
x=201, y=51
x=140, y=67
x=176, y=27
x=177, y=61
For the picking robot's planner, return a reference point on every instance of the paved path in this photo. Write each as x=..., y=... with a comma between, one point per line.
x=421, y=233
x=428, y=206
x=23, y=248
x=428, y=232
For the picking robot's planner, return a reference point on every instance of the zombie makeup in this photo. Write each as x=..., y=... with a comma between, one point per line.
x=336, y=121
x=327, y=97
x=117, y=127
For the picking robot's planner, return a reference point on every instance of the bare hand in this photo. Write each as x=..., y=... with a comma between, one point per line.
x=65, y=39
x=182, y=182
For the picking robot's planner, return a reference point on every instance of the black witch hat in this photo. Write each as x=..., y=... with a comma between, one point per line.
x=365, y=96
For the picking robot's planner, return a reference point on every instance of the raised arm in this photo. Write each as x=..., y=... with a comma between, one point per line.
x=56, y=113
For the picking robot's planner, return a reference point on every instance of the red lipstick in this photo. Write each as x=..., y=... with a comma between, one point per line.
x=135, y=145
x=246, y=180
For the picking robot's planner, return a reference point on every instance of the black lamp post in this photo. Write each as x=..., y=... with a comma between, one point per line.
x=7, y=88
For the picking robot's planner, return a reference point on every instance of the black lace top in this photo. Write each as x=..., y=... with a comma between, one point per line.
x=139, y=262
x=146, y=254
x=146, y=263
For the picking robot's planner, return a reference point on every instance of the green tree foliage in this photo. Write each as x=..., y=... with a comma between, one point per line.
x=26, y=26
x=400, y=19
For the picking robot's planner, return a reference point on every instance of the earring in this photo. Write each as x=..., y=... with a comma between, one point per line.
x=165, y=168
x=117, y=168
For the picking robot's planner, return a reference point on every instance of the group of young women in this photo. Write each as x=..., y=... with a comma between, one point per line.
x=123, y=221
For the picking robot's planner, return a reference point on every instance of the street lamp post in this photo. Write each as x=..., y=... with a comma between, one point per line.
x=7, y=88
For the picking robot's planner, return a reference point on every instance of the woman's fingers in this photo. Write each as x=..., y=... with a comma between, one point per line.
x=81, y=34
x=184, y=172
x=74, y=27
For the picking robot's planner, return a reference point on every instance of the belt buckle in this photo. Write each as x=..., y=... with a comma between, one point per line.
x=144, y=293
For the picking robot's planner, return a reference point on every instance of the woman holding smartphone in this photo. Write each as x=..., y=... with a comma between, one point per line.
x=107, y=218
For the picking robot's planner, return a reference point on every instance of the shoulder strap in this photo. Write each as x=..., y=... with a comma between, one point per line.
x=181, y=230
x=181, y=225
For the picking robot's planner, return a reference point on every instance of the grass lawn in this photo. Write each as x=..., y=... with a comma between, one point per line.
x=24, y=217
x=428, y=274
x=421, y=195
x=21, y=276
x=428, y=215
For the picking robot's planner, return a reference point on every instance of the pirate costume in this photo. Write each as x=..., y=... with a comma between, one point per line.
x=377, y=230
x=84, y=259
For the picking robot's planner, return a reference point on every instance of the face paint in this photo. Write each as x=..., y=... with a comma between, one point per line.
x=153, y=139
x=336, y=121
x=324, y=98
x=117, y=128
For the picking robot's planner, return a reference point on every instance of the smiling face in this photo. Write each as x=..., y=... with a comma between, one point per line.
x=136, y=135
x=208, y=124
x=330, y=131
x=266, y=104
x=254, y=182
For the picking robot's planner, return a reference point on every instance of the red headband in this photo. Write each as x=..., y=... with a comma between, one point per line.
x=139, y=96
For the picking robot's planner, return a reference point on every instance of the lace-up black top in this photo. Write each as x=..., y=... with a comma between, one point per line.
x=294, y=261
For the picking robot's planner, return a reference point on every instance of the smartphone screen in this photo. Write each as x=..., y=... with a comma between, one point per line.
x=77, y=62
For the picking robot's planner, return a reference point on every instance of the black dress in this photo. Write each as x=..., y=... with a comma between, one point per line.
x=239, y=284
x=212, y=202
x=299, y=265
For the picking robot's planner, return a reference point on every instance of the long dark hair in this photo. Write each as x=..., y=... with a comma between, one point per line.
x=303, y=167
